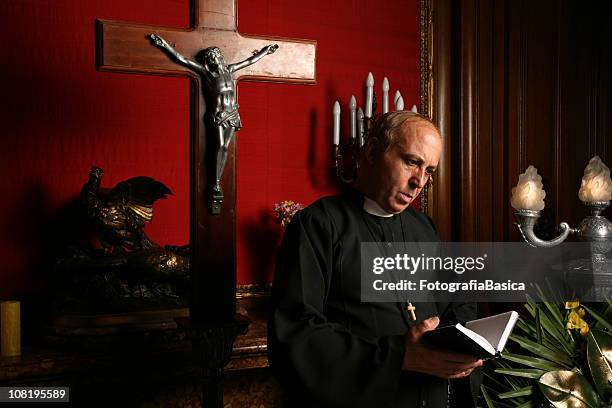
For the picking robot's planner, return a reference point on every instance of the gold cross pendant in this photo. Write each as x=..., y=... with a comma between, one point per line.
x=411, y=309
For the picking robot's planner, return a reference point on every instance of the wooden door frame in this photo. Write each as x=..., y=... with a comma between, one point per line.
x=436, y=33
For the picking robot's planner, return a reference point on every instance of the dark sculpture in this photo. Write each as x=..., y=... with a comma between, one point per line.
x=119, y=217
x=131, y=272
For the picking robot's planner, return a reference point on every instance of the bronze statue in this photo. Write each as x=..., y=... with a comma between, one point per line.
x=119, y=216
x=219, y=90
x=131, y=272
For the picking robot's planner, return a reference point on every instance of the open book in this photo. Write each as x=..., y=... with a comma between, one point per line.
x=482, y=338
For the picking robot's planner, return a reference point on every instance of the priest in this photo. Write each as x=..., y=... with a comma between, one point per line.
x=326, y=346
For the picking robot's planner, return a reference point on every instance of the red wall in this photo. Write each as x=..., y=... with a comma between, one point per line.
x=60, y=116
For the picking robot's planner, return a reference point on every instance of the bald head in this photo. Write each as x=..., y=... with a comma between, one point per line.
x=388, y=127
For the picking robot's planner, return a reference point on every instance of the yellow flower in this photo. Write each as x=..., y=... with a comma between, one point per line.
x=572, y=305
x=574, y=318
x=574, y=321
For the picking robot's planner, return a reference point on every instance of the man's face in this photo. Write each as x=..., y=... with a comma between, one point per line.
x=402, y=170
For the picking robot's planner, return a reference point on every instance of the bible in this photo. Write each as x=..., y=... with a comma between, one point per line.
x=482, y=338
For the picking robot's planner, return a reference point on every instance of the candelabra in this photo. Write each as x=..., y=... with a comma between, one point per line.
x=595, y=192
x=360, y=125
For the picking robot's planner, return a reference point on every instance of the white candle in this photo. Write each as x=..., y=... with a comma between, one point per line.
x=528, y=193
x=385, y=99
x=360, y=126
x=396, y=97
x=337, y=123
x=369, y=95
x=353, y=108
x=399, y=103
x=414, y=109
x=596, y=184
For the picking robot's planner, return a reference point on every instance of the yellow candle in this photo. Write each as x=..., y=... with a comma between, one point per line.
x=10, y=329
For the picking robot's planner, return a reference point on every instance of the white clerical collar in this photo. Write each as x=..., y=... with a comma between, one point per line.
x=371, y=207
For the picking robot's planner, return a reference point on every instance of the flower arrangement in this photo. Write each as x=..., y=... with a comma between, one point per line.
x=563, y=359
x=285, y=210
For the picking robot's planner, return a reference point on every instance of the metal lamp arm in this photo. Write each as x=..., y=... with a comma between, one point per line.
x=525, y=221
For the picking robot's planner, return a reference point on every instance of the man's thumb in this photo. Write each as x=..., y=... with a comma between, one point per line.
x=428, y=324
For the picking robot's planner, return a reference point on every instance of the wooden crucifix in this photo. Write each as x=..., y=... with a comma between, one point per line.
x=125, y=47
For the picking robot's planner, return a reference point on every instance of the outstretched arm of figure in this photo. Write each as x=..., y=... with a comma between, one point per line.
x=160, y=42
x=268, y=49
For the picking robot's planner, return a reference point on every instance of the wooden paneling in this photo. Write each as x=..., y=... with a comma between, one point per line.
x=441, y=114
x=530, y=84
x=465, y=110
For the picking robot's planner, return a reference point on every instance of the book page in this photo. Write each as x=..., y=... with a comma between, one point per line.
x=477, y=338
x=495, y=329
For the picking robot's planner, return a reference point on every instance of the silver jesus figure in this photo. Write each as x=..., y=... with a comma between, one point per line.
x=219, y=90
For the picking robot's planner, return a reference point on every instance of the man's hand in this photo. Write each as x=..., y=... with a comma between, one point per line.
x=430, y=360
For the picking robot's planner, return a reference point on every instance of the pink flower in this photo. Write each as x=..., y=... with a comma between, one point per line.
x=285, y=210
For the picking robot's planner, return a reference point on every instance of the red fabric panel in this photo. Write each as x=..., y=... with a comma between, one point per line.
x=60, y=116
x=284, y=149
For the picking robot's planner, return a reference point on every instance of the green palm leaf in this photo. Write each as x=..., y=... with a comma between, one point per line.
x=538, y=326
x=558, y=356
x=494, y=380
x=522, y=392
x=526, y=327
x=600, y=319
x=552, y=307
x=556, y=331
x=534, y=374
x=533, y=362
x=486, y=396
x=552, y=343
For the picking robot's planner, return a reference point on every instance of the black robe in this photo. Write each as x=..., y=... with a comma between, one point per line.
x=327, y=347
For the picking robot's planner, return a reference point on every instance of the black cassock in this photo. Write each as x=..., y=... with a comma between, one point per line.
x=327, y=347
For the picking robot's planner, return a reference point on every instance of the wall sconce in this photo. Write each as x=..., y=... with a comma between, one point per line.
x=595, y=193
x=360, y=125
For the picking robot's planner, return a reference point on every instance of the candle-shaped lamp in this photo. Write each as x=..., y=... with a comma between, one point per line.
x=528, y=200
x=528, y=193
x=369, y=95
x=337, y=123
x=399, y=103
x=353, y=108
x=395, y=98
x=596, y=185
x=10, y=329
x=360, y=126
x=414, y=109
x=385, y=97
x=595, y=192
